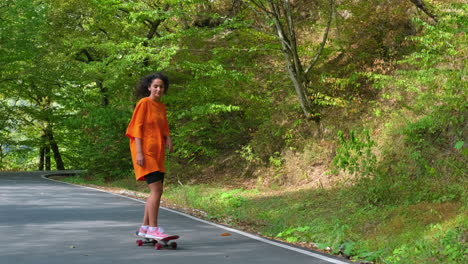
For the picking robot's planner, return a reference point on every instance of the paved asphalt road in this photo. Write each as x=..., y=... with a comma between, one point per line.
x=42, y=221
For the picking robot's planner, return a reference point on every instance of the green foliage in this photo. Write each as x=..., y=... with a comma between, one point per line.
x=276, y=161
x=431, y=92
x=17, y=156
x=232, y=199
x=220, y=203
x=247, y=154
x=446, y=245
x=325, y=100
x=201, y=130
x=423, y=138
x=354, y=155
x=459, y=145
x=102, y=130
x=369, y=36
x=84, y=60
x=268, y=140
x=82, y=179
x=295, y=234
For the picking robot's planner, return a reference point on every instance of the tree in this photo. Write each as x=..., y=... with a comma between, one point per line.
x=29, y=81
x=282, y=16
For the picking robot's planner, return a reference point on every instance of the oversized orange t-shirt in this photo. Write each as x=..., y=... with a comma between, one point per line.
x=149, y=122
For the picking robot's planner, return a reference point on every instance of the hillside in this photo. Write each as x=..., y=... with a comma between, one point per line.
x=338, y=125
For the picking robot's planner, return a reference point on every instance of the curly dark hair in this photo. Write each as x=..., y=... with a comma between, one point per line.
x=142, y=87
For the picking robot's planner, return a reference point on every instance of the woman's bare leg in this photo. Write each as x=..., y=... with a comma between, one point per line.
x=150, y=216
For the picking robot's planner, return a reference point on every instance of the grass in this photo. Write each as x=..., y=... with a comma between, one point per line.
x=327, y=219
x=322, y=217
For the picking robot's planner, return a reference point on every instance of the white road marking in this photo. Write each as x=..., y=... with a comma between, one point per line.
x=302, y=251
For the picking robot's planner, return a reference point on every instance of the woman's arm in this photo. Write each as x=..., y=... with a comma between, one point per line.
x=139, y=156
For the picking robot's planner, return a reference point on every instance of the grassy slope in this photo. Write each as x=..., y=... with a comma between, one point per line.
x=413, y=209
x=328, y=219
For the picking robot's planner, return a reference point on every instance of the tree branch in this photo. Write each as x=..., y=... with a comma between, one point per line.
x=279, y=27
x=103, y=31
x=263, y=8
x=124, y=10
x=324, y=40
x=8, y=79
x=258, y=14
x=87, y=54
x=292, y=35
x=422, y=6
x=154, y=28
x=290, y=25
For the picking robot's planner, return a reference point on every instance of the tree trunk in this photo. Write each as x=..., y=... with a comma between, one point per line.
x=1, y=157
x=42, y=151
x=41, y=158
x=104, y=93
x=287, y=37
x=47, y=158
x=57, y=157
x=298, y=87
x=55, y=149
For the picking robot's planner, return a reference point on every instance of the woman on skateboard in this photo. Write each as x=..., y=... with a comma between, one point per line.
x=149, y=136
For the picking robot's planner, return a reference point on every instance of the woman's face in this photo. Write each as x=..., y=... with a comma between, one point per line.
x=156, y=89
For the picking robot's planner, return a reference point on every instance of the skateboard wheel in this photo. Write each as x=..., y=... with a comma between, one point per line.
x=158, y=246
x=173, y=245
x=139, y=243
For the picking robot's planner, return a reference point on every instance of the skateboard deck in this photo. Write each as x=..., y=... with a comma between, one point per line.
x=158, y=243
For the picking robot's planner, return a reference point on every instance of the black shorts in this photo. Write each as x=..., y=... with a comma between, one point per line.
x=154, y=177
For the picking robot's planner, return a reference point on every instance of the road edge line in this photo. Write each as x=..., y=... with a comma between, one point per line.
x=252, y=236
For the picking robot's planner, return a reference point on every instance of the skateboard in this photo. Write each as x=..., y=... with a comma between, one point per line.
x=158, y=244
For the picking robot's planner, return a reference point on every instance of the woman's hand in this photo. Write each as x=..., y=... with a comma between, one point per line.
x=140, y=160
